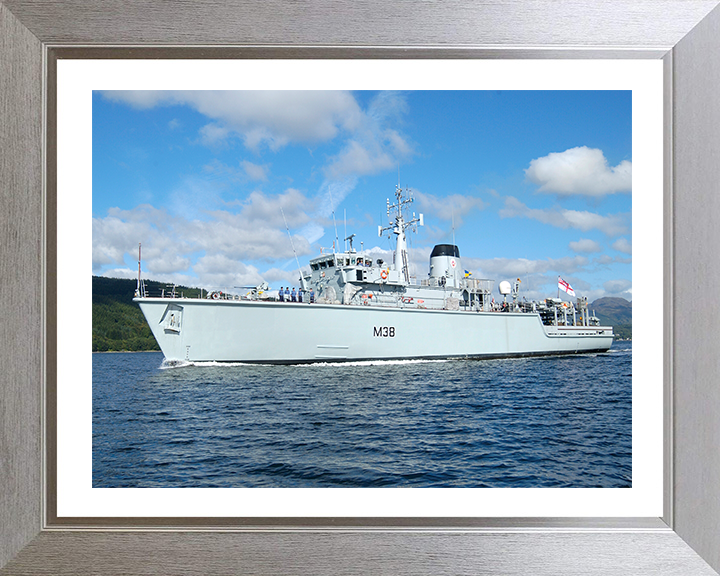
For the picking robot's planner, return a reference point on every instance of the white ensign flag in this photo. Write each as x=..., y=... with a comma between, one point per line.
x=565, y=286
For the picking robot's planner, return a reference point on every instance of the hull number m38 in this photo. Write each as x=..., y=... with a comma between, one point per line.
x=384, y=331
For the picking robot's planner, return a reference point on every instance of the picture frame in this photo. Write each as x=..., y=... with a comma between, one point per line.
x=685, y=34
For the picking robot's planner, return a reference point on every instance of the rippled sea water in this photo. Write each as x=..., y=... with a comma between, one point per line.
x=534, y=422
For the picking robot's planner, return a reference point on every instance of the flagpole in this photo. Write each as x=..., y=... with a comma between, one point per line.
x=558, y=287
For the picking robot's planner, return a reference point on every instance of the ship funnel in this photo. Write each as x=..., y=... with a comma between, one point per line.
x=445, y=265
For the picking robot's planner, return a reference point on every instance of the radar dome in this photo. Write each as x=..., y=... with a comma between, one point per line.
x=505, y=288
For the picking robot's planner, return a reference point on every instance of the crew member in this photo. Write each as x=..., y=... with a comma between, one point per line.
x=293, y=295
x=280, y=294
x=287, y=294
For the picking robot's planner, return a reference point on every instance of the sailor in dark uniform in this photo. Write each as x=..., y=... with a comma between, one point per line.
x=293, y=295
x=287, y=294
x=312, y=296
x=280, y=294
x=300, y=295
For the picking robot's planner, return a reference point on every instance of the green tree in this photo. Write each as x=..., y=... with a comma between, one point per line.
x=117, y=322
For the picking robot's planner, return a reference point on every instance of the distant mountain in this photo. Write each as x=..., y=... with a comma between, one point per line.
x=615, y=312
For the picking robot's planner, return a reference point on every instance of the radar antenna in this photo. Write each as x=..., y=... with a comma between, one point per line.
x=398, y=228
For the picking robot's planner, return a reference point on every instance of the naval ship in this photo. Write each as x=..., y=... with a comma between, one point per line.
x=349, y=308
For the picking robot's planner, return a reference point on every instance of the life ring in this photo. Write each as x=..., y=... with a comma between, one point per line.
x=216, y=295
x=384, y=274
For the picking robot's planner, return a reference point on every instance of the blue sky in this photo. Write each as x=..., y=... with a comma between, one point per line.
x=537, y=184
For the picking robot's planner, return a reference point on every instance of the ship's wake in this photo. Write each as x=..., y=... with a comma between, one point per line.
x=169, y=364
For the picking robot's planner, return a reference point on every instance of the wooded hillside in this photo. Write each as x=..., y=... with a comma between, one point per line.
x=615, y=312
x=117, y=322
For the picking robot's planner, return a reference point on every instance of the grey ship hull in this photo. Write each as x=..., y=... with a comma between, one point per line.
x=250, y=331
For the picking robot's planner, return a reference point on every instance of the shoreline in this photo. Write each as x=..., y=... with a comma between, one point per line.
x=122, y=351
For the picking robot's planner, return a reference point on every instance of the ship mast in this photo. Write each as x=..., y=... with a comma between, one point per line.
x=303, y=285
x=400, y=257
x=140, y=290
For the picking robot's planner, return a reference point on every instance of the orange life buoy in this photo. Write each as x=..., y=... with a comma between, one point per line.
x=384, y=274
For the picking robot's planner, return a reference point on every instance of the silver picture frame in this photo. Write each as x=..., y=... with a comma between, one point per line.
x=685, y=34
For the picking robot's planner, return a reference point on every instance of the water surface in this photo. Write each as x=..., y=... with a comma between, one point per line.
x=560, y=421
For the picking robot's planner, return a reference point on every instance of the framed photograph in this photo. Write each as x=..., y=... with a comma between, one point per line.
x=616, y=106
x=665, y=520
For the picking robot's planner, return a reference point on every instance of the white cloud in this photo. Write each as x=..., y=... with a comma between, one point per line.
x=387, y=105
x=235, y=236
x=448, y=207
x=520, y=267
x=281, y=276
x=195, y=195
x=399, y=144
x=611, y=225
x=142, y=99
x=171, y=263
x=538, y=277
x=585, y=246
x=606, y=260
x=369, y=153
x=120, y=232
x=374, y=145
x=356, y=158
x=368, y=139
x=120, y=273
x=217, y=171
x=580, y=171
x=313, y=232
x=222, y=238
x=213, y=134
x=254, y=171
x=332, y=193
x=622, y=245
x=621, y=288
x=273, y=118
x=217, y=270
x=292, y=207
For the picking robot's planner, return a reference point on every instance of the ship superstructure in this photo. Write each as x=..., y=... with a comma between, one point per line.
x=350, y=307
